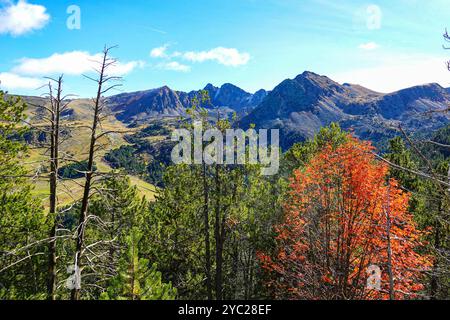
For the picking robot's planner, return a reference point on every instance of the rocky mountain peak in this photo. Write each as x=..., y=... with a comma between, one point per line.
x=301, y=106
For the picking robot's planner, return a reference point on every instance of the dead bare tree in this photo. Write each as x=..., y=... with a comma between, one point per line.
x=50, y=112
x=55, y=111
x=102, y=88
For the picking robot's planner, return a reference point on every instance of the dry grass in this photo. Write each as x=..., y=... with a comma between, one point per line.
x=75, y=148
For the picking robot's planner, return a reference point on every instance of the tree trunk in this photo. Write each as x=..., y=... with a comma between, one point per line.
x=235, y=268
x=75, y=294
x=389, y=250
x=218, y=237
x=434, y=285
x=54, y=165
x=207, y=235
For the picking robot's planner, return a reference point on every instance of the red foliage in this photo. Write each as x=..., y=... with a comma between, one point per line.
x=336, y=226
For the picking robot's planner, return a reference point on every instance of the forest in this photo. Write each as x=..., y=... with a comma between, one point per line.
x=340, y=220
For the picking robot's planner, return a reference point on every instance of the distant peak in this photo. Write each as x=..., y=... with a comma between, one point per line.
x=210, y=87
x=427, y=86
x=433, y=85
x=310, y=74
x=313, y=79
x=260, y=91
x=229, y=85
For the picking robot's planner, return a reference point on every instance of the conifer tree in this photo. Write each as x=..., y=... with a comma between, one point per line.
x=137, y=279
x=22, y=222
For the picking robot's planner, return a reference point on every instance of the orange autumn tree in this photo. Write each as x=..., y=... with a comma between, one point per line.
x=343, y=219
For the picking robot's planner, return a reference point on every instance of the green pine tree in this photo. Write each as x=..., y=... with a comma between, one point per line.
x=22, y=221
x=137, y=280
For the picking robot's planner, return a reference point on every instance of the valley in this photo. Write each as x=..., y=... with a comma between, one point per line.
x=201, y=152
x=298, y=107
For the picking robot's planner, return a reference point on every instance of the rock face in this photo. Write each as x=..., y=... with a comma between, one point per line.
x=164, y=102
x=235, y=98
x=300, y=107
x=161, y=102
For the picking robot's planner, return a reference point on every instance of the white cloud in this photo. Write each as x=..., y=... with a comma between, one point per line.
x=226, y=56
x=175, y=66
x=369, y=46
x=23, y=17
x=399, y=72
x=11, y=81
x=159, y=52
x=71, y=63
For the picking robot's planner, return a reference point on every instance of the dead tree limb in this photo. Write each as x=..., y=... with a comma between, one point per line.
x=102, y=81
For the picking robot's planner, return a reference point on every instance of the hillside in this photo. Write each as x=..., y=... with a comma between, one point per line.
x=301, y=106
x=75, y=123
x=167, y=103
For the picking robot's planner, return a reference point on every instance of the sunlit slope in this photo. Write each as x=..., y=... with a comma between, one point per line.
x=75, y=124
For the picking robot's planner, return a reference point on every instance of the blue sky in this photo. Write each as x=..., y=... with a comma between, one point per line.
x=383, y=45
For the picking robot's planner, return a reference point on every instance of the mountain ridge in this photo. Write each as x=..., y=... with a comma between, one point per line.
x=166, y=102
x=299, y=107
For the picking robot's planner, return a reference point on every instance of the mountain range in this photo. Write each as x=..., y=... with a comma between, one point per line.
x=165, y=102
x=299, y=107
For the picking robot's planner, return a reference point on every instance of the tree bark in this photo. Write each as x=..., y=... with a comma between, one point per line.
x=54, y=165
x=434, y=285
x=207, y=235
x=218, y=237
x=389, y=250
x=75, y=294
